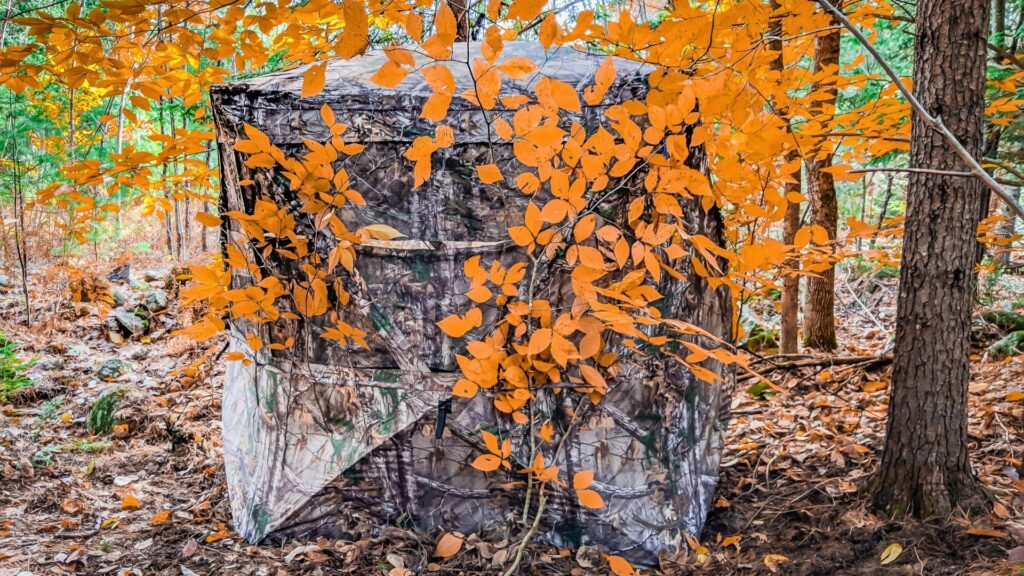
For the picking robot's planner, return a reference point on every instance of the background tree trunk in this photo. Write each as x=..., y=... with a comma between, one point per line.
x=790, y=332
x=925, y=468
x=819, y=318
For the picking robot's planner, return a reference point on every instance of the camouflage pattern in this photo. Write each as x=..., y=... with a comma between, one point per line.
x=319, y=431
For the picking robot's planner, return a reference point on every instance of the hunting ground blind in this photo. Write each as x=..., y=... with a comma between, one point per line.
x=317, y=431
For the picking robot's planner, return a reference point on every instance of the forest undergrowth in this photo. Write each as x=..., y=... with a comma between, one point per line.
x=111, y=456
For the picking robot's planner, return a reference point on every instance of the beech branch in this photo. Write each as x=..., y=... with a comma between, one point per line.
x=932, y=121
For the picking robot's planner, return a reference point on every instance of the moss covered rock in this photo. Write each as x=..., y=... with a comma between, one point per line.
x=1011, y=345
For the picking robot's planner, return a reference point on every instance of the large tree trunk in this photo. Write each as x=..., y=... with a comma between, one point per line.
x=790, y=337
x=925, y=468
x=819, y=319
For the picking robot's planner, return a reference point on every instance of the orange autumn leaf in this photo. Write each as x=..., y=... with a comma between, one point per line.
x=310, y=299
x=489, y=173
x=355, y=37
x=390, y=75
x=449, y=545
x=517, y=67
x=313, y=80
x=582, y=479
x=220, y=534
x=525, y=9
x=557, y=94
x=208, y=220
x=160, y=517
x=465, y=388
x=603, y=80
x=130, y=502
x=620, y=566
x=457, y=326
x=487, y=462
x=590, y=498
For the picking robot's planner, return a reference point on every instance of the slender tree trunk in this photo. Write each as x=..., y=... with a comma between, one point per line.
x=884, y=212
x=1008, y=229
x=999, y=22
x=167, y=193
x=925, y=469
x=20, y=243
x=819, y=318
x=790, y=333
x=460, y=8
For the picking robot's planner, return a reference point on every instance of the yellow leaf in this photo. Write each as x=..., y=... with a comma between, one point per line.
x=731, y=541
x=620, y=566
x=772, y=561
x=130, y=502
x=582, y=479
x=1016, y=396
x=449, y=545
x=891, y=552
x=381, y=232
x=313, y=80
x=109, y=522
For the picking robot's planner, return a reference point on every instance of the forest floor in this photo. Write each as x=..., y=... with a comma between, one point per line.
x=149, y=498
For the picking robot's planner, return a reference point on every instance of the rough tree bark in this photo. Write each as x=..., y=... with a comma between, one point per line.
x=819, y=317
x=925, y=469
x=790, y=333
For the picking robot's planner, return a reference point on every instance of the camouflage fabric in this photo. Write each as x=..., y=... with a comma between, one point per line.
x=318, y=431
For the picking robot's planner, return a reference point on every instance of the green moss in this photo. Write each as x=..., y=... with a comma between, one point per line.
x=762, y=339
x=12, y=369
x=1005, y=320
x=1011, y=345
x=101, y=419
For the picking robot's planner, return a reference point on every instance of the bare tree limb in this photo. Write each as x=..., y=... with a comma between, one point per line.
x=933, y=171
x=932, y=121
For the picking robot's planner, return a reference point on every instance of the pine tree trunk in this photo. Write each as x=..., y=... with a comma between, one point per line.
x=819, y=319
x=925, y=469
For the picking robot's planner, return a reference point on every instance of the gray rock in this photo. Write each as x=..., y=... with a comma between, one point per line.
x=113, y=369
x=155, y=301
x=130, y=322
x=5, y=281
x=119, y=297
